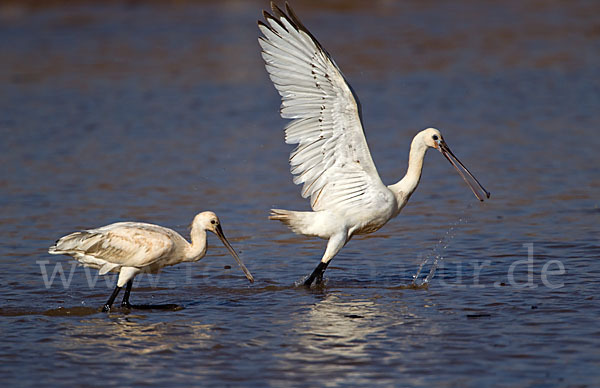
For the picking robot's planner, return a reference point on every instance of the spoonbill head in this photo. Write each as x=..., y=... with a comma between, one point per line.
x=209, y=221
x=432, y=137
x=332, y=161
x=130, y=248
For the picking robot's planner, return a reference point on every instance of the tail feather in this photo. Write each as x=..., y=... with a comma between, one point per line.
x=280, y=215
x=84, y=246
x=298, y=222
x=285, y=216
x=74, y=242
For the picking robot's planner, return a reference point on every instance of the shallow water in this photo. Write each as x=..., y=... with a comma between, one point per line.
x=153, y=113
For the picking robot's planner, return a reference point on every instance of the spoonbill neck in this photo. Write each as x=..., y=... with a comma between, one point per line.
x=197, y=249
x=404, y=188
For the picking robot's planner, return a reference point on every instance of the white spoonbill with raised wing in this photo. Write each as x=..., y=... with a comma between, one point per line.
x=133, y=247
x=332, y=160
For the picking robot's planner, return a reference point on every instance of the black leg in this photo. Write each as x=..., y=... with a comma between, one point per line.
x=125, y=302
x=110, y=300
x=316, y=275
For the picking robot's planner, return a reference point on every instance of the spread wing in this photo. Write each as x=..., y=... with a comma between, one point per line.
x=332, y=159
x=128, y=244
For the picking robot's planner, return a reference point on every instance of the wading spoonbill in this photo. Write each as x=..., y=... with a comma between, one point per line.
x=133, y=247
x=332, y=160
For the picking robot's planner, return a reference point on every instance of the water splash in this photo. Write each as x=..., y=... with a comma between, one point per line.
x=437, y=252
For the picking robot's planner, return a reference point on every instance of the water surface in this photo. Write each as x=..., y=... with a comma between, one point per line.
x=155, y=112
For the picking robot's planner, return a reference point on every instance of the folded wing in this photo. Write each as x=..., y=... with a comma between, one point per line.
x=124, y=244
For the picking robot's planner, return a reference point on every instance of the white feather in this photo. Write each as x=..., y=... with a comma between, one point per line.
x=326, y=123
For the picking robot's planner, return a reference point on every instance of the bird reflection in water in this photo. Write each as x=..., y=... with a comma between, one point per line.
x=99, y=336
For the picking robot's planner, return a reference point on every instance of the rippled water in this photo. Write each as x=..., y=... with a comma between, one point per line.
x=155, y=112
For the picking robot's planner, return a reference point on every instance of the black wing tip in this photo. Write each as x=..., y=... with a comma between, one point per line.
x=276, y=10
x=261, y=23
x=268, y=17
x=293, y=18
x=290, y=15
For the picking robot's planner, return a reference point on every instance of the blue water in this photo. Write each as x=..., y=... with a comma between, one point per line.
x=154, y=112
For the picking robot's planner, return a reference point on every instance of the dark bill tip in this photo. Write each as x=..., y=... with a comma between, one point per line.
x=234, y=254
x=477, y=188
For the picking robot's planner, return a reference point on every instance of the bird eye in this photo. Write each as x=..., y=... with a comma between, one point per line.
x=435, y=137
x=213, y=222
